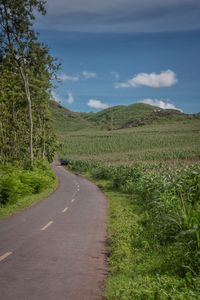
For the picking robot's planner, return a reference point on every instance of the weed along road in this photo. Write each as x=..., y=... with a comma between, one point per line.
x=56, y=250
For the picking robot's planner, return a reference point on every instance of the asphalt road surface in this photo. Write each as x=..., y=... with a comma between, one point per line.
x=56, y=250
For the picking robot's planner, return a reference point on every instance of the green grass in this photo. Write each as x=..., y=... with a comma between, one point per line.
x=153, y=230
x=64, y=120
x=115, y=117
x=139, y=266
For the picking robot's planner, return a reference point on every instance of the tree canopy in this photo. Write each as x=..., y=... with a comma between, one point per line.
x=26, y=70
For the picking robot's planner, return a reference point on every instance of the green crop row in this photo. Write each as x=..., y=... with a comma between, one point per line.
x=174, y=143
x=170, y=205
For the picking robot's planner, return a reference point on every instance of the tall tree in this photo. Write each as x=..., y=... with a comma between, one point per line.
x=19, y=41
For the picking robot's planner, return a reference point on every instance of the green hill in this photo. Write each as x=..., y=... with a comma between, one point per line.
x=116, y=117
x=65, y=120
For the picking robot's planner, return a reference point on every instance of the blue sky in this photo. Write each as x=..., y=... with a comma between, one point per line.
x=124, y=53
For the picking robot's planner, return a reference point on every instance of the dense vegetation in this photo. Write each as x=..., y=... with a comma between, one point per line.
x=26, y=71
x=175, y=143
x=154, y=230
x=151, y=177
x=19, y=188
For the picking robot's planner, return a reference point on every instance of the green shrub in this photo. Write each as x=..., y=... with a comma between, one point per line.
x=16, y=183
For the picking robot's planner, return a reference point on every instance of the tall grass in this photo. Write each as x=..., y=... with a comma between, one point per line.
x=169, y=203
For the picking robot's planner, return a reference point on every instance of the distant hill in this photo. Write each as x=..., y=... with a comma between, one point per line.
x=65, y=120
x=116, y=117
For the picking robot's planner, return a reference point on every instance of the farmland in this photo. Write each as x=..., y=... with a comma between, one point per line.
x=174, y=143
x=151, y=177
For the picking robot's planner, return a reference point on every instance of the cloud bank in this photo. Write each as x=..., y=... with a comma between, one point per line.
x=98, y=104
x=55, y=97
x=164, y=79
x=66, y=77
x=160, y=103
x=69, y=100
x=121, y=15
x=84, y=75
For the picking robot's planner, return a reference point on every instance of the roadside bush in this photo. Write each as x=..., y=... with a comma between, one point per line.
x=78, y=166
x=16, y=183
x=171, y=202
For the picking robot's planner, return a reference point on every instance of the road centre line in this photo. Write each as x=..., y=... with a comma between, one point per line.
x=46, y=226
x=72, y=200
x=65, y=209
x=5, y=255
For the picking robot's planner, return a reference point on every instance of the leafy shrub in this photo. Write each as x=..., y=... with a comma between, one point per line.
x=171, y=202
x=16, y=183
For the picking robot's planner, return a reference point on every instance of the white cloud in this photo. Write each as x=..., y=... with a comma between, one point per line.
x=164, y=79
x=66, y=77
x=160, y=103
x=98, y=104
x=70, y=98
x=114, y=75
x=88, y=75
x=55, y=97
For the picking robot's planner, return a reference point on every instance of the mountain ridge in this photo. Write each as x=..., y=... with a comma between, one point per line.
x=115, y=117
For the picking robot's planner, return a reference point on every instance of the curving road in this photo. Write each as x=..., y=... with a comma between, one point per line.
x=56, y=250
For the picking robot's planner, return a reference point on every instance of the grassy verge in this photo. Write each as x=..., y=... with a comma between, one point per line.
x=140, y=267
x=19, y=189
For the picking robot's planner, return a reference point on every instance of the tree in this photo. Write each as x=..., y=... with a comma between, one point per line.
x=19, y=42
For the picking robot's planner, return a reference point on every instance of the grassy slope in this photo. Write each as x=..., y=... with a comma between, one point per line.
x=112, y=118
x=64, y=120
x=132, y=116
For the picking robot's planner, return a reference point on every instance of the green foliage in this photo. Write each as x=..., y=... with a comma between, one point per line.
x=26, y=70
x=154, y=230
x=139, y=267
x=16, y=183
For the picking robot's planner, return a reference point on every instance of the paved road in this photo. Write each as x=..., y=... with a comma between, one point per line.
x=56, y=250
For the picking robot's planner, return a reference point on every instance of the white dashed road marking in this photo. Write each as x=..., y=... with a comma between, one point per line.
x=72, y=200
x=4, y=256
x=46, y=226
x=65, y=209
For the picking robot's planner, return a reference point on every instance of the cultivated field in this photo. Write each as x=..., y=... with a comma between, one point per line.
x=176, y=143
x=151, y=177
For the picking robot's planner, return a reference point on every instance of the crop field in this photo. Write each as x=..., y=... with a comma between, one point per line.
x=174, y=143
x=151, y=177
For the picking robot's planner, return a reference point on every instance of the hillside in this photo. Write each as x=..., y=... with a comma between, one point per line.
x=117, y=117
x=65, y=120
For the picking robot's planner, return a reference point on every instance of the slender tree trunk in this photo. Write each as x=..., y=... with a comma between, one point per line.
x=44, y=144
x=28, y=97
